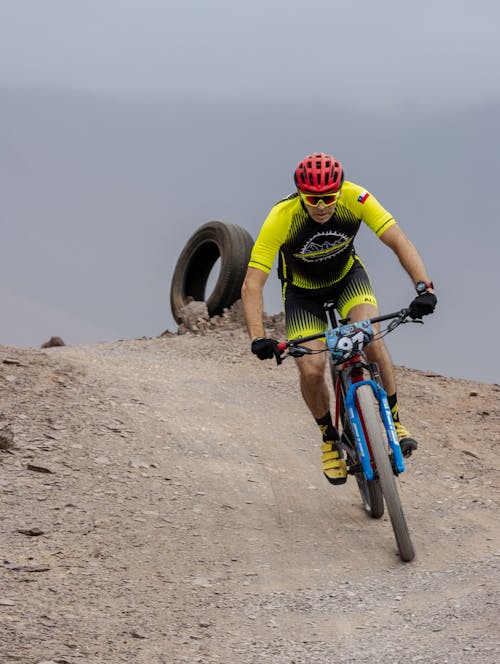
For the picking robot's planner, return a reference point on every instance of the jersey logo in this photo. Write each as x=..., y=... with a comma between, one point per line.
x=323, y=246
x=363, y=196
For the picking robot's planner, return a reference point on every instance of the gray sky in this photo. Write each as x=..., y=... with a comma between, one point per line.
x=370, y=53
x=109, y=109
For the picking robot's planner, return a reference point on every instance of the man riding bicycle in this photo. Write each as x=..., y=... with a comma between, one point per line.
x=313, y=230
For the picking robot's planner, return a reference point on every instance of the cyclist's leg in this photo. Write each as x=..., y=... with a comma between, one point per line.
x=376, y=351
x=312, y=380
x=357, y=302
x=305, y=315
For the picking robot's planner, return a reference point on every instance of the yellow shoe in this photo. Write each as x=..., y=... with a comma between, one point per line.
x=334, y=466
x=407, y=443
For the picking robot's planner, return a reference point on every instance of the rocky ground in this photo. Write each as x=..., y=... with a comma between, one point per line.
x=163, y=503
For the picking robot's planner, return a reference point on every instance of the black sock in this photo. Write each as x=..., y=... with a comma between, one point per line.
x=326, y=427
x=393, y=405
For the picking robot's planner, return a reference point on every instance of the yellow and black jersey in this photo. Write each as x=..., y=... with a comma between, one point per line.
x=313, y=255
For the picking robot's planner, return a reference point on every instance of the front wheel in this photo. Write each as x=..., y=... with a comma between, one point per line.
x=369, y=490
x=371, y=419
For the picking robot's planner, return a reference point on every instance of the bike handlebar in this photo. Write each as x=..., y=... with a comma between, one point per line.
x=400, y=315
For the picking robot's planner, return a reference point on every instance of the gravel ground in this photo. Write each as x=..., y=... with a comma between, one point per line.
x=163, y=502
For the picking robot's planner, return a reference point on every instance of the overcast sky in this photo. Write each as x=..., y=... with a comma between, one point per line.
x=373, y=53
x=113, y=109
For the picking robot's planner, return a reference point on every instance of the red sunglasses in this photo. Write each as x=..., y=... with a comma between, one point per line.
x=315, y=199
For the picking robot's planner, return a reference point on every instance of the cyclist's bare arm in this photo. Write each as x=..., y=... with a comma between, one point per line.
x=253, y=301
x=406, y=252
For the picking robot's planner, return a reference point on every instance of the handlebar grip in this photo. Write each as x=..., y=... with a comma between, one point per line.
x=282, y=346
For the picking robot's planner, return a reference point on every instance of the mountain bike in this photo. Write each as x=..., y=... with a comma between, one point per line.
x=362, y=414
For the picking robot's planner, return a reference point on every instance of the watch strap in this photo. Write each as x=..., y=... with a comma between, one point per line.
x=426, y=284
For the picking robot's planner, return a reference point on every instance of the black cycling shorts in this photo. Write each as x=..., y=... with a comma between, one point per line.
x=304, y=309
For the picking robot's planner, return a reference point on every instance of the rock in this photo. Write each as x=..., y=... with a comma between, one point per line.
x=137, y=463
x=28, y=568
x=53, y=341
x=194, y=316
x=31, y=532
x=6, y=438
x=201, y=581
x=38, y=469
x=11, y=360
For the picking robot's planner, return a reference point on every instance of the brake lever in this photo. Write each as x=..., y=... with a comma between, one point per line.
x=299, y=351
x=403, y=318
x=395, y=323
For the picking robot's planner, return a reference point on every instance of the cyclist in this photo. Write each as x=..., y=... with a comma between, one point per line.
x=313, y=230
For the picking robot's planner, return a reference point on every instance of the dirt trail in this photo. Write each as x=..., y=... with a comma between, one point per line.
x=164, y=503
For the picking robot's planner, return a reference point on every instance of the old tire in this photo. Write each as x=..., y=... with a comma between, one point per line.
x=215, y=239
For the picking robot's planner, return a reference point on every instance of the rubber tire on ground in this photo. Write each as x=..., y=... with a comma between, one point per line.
x=215, y=239
x=387, y=480
x=371, y=495
x=369, y=490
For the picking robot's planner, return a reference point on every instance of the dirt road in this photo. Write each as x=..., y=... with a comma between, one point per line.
x=163, y=503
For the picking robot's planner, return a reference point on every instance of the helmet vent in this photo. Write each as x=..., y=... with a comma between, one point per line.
x=318, y=173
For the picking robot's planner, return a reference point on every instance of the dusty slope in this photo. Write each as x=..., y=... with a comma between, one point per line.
x=185, y=517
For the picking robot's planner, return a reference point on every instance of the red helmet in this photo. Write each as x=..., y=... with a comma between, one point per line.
x=318, y=173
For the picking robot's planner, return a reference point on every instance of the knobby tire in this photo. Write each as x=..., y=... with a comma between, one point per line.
x=379, y=446
x=370, y=491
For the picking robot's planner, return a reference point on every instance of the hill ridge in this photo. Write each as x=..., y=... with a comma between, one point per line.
x=164, y=502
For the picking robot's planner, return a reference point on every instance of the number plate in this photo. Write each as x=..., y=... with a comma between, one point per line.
x=349, y=340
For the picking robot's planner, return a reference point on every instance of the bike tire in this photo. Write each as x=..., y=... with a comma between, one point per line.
x=369, y=490
x=371, y=418
x=371, y=495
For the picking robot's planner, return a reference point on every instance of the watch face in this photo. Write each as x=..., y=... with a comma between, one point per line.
x=421, y=287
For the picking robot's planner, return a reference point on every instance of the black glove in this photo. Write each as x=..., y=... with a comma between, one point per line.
x=422, y=305
x=266, y=349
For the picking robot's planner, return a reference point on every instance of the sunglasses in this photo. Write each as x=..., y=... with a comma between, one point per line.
x=315, y=199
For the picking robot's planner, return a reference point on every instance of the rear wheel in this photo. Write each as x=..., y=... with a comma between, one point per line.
x=371, y=495
x=371, y=418
x=370, y=491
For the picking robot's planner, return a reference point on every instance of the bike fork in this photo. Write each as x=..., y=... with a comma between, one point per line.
x=358, y=432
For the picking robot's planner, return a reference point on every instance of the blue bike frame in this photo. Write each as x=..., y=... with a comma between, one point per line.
x=345, y=344
x=357, y=428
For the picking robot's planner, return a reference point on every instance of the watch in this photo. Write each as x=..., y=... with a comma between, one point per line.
x=423, y=286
